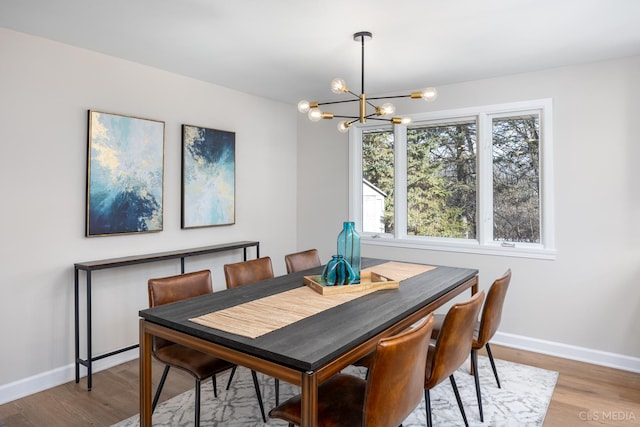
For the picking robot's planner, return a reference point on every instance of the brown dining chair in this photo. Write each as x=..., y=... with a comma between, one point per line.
x=200, y=365
x=302, y=260
x=386, y=398
x=245, y=273
x=485, y=329
x=451, y=349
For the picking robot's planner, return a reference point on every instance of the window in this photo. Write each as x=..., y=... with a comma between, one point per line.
x=441, y=180
x=463, y=180
x=377, y=181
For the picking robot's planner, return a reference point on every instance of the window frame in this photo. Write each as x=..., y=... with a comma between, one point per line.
x=483, y=243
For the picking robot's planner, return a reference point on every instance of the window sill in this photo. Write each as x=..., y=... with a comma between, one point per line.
x=523, y=251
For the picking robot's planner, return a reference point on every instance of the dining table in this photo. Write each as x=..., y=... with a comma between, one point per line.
x=303, y=338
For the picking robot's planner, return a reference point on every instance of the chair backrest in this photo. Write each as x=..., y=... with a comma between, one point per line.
x=246, y=272
x=395, y=379
x=454, y=341
x=302, y=260
x=170, y=289
x=176, y=288
x=492, y=310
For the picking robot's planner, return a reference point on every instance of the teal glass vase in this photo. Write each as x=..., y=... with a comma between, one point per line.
x=337, y=272
x=349, y=247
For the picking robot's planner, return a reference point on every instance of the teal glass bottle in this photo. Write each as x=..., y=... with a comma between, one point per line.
x=349, y=247
x=338, y=272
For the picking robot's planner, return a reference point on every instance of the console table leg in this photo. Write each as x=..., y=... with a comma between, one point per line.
x=89, y=361
x=76, y=306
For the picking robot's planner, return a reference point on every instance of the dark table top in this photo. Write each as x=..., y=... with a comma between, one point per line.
x=310, y=343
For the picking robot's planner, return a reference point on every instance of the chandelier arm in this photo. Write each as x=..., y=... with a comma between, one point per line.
x=370, y=116
x=381, y=119
x=385, y=97
x=391, y=97
x=337, y=102
x=370, y=103
x=347, y=117
x=355, y=119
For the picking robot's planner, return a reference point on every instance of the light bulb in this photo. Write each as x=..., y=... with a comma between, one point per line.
x=315, y=114
x=430, y=94
x=343, y=127
x=386, y=109
x=338, y=86
x=405, y=120
x=303, y=106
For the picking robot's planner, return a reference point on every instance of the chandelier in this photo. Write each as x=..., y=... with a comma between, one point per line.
x=368, y=110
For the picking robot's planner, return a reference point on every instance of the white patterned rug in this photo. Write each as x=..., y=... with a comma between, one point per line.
x=522, y=401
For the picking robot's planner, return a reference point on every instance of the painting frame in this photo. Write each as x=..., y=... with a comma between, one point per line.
x=125, y=174
x=208, y=177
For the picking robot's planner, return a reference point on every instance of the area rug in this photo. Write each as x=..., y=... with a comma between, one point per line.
x=522, y=401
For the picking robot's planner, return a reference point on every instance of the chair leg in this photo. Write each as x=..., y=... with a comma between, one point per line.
x=455, y=391
x=215, y=385
x=159, y=390
x=197, y=404
x=258, y=394
x=493, y=364
x=277, y=391
x=233, y=371
x=474, y=362
x=427, y=405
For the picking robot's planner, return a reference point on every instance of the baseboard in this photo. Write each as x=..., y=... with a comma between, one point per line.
x=580, y=354
x=56, y=377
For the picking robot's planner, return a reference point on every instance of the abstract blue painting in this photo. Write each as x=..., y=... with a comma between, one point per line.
x=124, y=174
x=208, y=177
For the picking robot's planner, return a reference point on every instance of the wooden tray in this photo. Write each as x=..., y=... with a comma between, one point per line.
x=368, y=281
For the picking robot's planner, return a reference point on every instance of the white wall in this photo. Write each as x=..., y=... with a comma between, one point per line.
x=586, y=303
x=46, y=89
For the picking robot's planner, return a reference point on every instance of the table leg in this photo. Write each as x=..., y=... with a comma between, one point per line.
x=145, y=376
x=309, y=400
x=474, y=290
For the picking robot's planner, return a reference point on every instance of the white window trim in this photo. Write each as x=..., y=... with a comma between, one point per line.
x=483, y=244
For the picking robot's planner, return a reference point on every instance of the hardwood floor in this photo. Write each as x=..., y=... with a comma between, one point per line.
x=585, y=395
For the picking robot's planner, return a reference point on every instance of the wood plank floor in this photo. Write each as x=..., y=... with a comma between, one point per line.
x=586, y=395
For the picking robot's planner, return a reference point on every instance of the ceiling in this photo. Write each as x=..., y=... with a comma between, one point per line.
x=287, y=50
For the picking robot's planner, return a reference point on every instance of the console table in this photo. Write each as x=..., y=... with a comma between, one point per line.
x=104, y=264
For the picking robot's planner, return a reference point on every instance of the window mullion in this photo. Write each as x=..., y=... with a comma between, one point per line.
x=485, y=180
x=400, y=181
x=546, y=178
x=355, y=174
